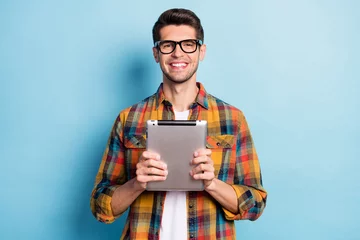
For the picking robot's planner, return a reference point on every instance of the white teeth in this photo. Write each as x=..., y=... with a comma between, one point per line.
x=178, y=64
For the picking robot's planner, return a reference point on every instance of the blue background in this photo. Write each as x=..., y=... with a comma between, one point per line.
x=68, y=67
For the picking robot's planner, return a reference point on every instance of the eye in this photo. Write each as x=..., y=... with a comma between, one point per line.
x=166, y=45
x=189, y=43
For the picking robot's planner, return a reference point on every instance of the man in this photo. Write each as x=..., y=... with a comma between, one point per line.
x=230, y=169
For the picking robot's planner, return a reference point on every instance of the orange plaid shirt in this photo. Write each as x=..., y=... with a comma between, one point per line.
x=233, y=153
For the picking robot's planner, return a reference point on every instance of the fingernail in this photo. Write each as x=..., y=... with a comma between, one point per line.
x=196, y=154
x=157, y=157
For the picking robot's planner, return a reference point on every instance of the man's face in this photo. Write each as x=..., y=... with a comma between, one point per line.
x=178, y=66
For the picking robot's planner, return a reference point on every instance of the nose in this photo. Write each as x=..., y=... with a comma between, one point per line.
x=178, y=52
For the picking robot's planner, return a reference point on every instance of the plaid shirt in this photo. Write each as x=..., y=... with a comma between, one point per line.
x=235, y=162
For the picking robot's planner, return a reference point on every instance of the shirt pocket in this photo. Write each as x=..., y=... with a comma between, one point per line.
x=135, y=141
x=223, y=154
x=220, y=141
x=135, y=145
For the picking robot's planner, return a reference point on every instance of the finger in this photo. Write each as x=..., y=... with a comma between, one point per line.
x=149, y=155
x=202, y=159
x=202, y=152
x=142, y=167
x=202, y=168
x=151, y=171
x=150, y=178
x=155, y=164
x=204, y=176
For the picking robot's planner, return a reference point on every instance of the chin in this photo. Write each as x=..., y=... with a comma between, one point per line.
x=178, y=80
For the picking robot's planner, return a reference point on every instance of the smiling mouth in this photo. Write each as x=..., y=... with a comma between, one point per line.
x=178, y=65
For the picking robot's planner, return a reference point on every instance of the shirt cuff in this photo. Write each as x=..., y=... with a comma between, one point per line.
x=102, y=206
x=245, y=202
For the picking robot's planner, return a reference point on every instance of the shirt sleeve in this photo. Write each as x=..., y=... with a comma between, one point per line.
x=111, y=174
x=247, y=178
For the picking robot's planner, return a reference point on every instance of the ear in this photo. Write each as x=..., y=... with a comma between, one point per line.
x=202, y=52
x=156, y=54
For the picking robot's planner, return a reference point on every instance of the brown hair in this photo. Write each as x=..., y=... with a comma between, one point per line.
x=178, y=16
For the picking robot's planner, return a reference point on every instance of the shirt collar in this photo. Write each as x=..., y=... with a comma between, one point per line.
x=201, y=98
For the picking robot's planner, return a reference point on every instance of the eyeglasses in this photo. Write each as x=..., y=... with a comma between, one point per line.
x=187, y=46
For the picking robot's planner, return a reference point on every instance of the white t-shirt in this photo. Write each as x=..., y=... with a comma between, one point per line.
x=174, y=219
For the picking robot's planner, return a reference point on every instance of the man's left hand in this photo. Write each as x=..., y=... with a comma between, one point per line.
x=204, y=167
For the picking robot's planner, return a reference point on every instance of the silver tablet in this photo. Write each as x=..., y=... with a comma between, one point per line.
x=176, y=141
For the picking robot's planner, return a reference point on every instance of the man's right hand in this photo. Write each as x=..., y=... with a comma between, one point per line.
x=150, y=168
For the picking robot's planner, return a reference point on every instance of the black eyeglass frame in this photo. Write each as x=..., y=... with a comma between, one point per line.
x=198, y=43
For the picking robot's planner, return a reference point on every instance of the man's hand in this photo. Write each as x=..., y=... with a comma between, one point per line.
x=204, y=167
x=150, y=168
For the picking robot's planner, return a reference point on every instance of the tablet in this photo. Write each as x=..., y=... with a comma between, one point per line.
x=176, y=141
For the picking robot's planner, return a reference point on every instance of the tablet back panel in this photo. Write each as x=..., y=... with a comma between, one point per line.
x=176, y=141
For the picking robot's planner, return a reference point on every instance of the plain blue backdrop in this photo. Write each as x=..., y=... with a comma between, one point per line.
x=68, y=67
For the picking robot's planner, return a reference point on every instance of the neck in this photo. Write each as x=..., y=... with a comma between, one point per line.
x=181, y=95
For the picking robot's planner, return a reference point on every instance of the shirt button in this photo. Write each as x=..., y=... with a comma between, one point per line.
x=218, y=143
x=191, y=235
x=190, y=206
